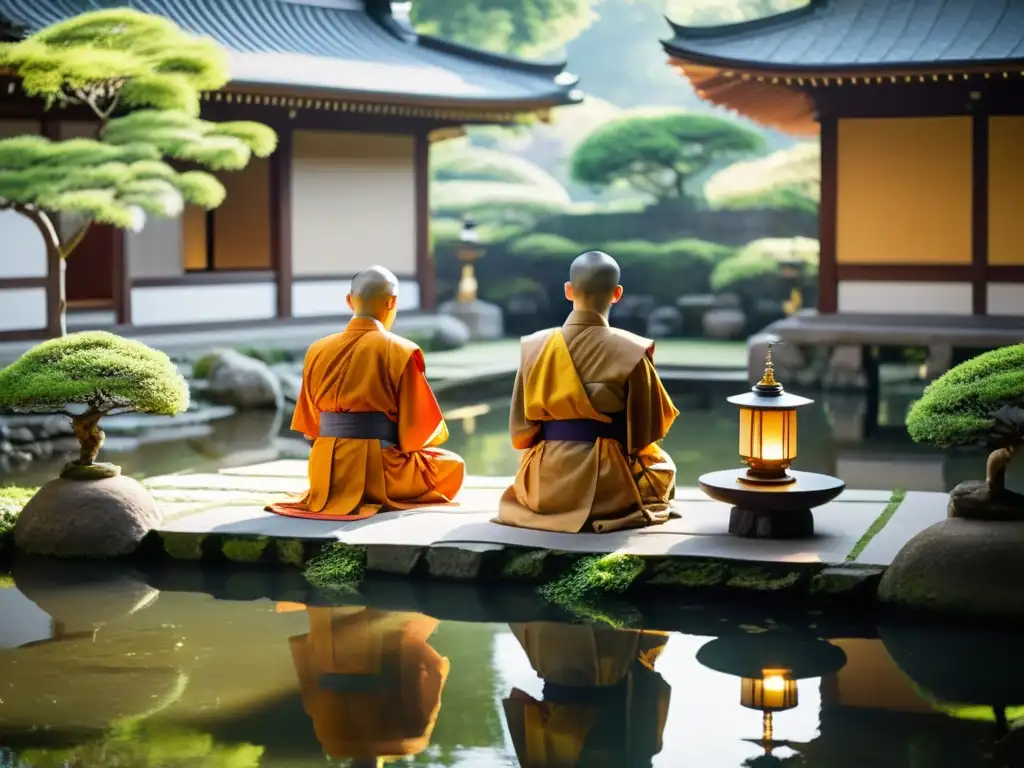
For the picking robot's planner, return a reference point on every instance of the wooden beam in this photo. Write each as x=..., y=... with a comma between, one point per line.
x=828, y=276
x=979, y=214
x=931, y=273
x=426, y=273
x=281, y=218
x=122, y=279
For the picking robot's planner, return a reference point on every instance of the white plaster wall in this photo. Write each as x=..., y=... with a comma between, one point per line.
x=188, y=304
x=1006, y=299
x=905, y=298
x=22, y=251
x=325, y=298
x=22, y=309
x=353, y=203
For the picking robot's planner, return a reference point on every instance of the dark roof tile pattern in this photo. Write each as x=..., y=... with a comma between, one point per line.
x=864, y=34
x=351, y=48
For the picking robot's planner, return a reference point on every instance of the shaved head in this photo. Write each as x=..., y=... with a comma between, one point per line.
x=374, y=283
x=594, y=274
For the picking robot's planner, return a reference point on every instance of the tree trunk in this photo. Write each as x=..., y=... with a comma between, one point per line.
x=995, y=468
x=90, y=436
x=55, y=253
x=62, y=294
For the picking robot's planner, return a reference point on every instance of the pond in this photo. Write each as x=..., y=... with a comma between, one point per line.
x=837, y=435
x=114, y=672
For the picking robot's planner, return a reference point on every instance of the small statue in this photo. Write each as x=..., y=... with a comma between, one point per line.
x=588, y=409
x=374, y=422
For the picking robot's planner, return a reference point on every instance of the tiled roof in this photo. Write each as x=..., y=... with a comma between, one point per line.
x=338, y=46
x=863, y=34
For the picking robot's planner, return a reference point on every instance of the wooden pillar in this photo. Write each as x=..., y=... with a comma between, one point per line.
x=979, y=214
x=828, y=270
x=426, y=274
x=122, y=279
x=281, y=219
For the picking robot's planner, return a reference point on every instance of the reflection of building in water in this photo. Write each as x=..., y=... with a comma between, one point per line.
x=369, y=681
x=603, y=703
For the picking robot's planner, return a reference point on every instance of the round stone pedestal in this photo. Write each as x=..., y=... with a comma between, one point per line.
x=485, y=321
x=771, y=511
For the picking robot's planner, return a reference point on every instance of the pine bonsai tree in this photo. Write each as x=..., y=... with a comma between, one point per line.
x=980, y=401
x=141, y=77
x=103, y=375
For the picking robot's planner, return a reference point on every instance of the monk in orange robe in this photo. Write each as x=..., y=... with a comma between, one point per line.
x=374, y=422
x=603, y=702
x=588, y=409
x=369, y=681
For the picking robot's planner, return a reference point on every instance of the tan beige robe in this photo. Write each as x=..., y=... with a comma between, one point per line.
x=584, y=370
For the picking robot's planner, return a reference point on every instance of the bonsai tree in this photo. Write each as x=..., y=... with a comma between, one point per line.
x=140, y=77
x=87, y=376
x=980, y=401
x=657, y=153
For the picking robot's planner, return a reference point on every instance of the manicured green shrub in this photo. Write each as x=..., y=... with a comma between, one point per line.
x=495, y=201
x=541, y=245
x=461, y=161
x=757, y=267
x=101, y=373
x=666, y=271
x=779, y=198
x=980, y=401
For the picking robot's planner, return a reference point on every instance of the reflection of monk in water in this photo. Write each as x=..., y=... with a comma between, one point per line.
x=603, y=705
x=369, y=682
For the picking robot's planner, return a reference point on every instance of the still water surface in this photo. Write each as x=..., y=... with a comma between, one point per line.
x=121, y=675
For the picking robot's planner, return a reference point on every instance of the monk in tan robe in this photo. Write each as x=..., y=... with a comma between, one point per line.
x=374, y=422
x=369, y=681
x=588, y=409
x=603, y=705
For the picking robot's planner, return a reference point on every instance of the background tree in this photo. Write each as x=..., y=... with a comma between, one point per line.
x=100, y=373
x=522, y=27
x=658, y=153
x=141, y=77
x=980, y=401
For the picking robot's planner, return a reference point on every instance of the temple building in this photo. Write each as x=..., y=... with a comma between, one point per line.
x=919, y=107
x=356, y=98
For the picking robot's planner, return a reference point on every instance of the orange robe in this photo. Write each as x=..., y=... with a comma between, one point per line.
x=603, y=703
x=585, y=370
x=369, y=681
x=366, y=368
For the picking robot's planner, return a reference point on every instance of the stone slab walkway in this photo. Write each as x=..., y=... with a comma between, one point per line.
x=230, y=503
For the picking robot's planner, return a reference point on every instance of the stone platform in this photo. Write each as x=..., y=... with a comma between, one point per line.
x=860, y=531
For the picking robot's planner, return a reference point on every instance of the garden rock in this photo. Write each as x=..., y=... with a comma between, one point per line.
x=724, y=322
x=974, y=499
x=664, y=322
x=960, y=567
x=87, y=518
x=243, y=382
x=482, y=320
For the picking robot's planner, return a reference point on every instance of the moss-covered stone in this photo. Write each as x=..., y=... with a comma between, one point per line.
x=465, y=562
x=846, y=581
x=762, y=580
x=393, y=559
x=338, y=566
x=525, y=566
x=247, y=550
x=689, y=574
x=6, y=582
x=594, y=577
x=183, y=546
x=291, y=552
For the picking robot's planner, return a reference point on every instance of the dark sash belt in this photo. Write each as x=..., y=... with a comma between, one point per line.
x=365, y=425
x=585, y=430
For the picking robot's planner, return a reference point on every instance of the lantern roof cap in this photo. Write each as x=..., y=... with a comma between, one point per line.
x=768, y=393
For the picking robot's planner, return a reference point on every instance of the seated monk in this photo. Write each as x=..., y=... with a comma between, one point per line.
x=372, y=418
x=588, y=409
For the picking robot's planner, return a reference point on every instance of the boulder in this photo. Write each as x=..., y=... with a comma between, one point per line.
x=243, y=382
x=87, y=518
x=442, y=331
x=960, y=567
x=724, y=322
x=973, y=499
x=482, y=319
x=664, y=322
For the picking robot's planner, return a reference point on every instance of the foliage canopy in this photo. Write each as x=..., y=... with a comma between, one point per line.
x=495, y=200
x=96, y=369
x=454, y=161
x=960, y=407
x=762, y=259
x=788, y=178
x=657, y=153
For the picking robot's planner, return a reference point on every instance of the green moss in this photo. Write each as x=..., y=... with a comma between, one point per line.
x=245, y=550
x=525, y=566
x=880, y=522
x=840, y=581
x=687, y=574
x=761, y=580
x=6, y=582
x=183, y=546
x=291, y=551
x=338, y=566
x=13, y=499
x=594, y=577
